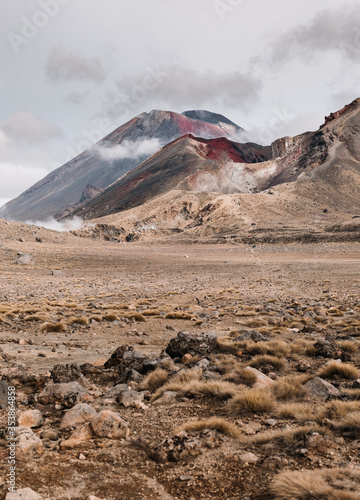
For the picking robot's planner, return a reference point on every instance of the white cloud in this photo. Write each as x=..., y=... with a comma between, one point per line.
x=55, y=225
x=129, y=149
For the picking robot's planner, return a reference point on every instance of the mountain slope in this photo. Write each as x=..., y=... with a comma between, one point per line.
x=192, y=187
x=190, y=163
x=115, y=155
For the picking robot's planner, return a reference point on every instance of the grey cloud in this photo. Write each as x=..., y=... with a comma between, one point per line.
x=329, y=31
x=65, y=65
x=128, y=149
x=180, y=88
x=26, y=127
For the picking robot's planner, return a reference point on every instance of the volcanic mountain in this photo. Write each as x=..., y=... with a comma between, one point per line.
x=119, y=152
x=305, y=182
x=189, y=163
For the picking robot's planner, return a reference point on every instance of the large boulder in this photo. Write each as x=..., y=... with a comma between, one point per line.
x=79, y=414
x=108, y=424
x=24, y=259
x=125, y=358
x=68, y=373
x=321, y=388
x=58, y=393
x=186, y=343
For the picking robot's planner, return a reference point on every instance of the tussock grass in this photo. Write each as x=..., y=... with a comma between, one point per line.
x=265, y=359
x=350, y=425
x=110, y=317
x=95, y=317
x=277, y=348
x=241, y=376
x=255, y=323
x=350, y=346
x=53, y=327
x=227, y=345
x=252, y=401
x=288, y=388
x=151, y=312
x=295, y=411
x=144, y=302
x=179, y=315
x=344, y=370
x=331, y=484
x=155, y=379
x=77, y=321
x=136, y=316
x=286, y=435
x=218, y=424
x=197, y=388
x=37, y=317
x=337, y=410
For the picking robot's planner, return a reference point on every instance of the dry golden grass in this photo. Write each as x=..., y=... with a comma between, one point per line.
x=330, y=484
x=179, y=315
x=77, y=321
x=195, y=388
x=135, y=316
x=155, y=379
x=255, y=323
x=110, y=317
x=350, y=425
x=351, y=346
x=218, y=424
x=277, y=348
x=151, y=312
x=252, y=401
x=265, y=359
x=296, y=411
x=241, y=376
x=337, y=409
x=286, y=435
x=95, y=317
x=37, y=317
x=344, y=370
x=53, y=327
x=288, y=388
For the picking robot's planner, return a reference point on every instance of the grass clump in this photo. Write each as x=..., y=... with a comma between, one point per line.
x=288, y=388
x=344, y=370
x=252, y=401
x=78, y=321
x=135, y=316
x=151, y=312
x=155, y=379
x=218, y=424
x=179, y=315
x=295, y=411
x=110, y=317
x=53, y=327
x=265, y=359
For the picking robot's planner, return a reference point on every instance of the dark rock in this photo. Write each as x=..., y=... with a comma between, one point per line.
x=253, y=335
x=125, y=358
x=67, y=393
x=185, y=343
x=68, y=373
x=328, y=349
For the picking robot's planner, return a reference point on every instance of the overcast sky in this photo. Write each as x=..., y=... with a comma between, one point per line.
x=73, y=70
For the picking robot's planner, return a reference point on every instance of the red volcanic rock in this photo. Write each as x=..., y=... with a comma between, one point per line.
x=341, y=112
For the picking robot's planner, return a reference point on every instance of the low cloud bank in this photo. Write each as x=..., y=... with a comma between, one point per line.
x=129, y=149
x=55, y=225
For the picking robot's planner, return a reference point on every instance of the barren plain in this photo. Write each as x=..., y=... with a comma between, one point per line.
x=198, y=423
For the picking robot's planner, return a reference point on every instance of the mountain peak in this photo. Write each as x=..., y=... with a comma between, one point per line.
x=209, y=117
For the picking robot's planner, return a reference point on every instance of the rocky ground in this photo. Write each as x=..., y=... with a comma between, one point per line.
x=257, y=398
